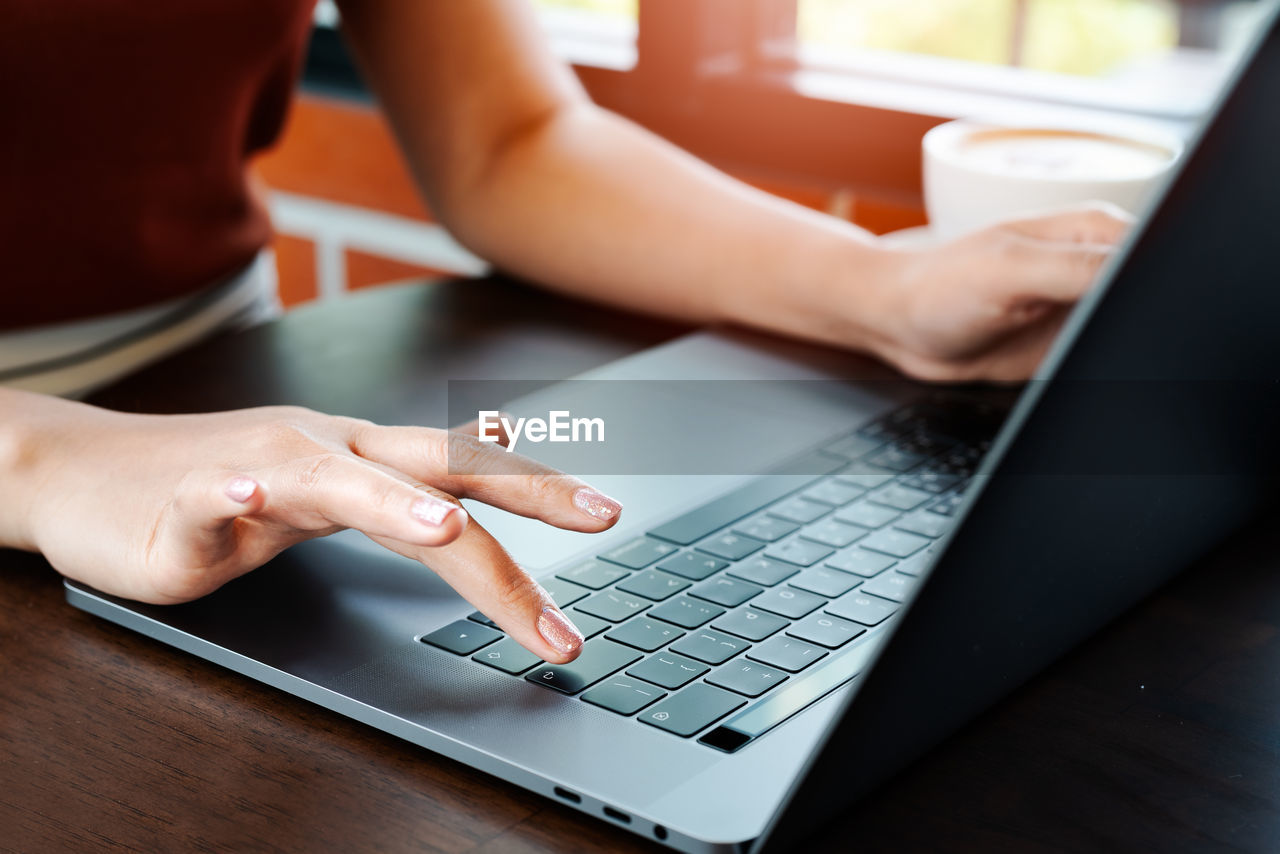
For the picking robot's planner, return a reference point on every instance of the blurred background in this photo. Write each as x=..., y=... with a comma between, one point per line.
x=820, y=101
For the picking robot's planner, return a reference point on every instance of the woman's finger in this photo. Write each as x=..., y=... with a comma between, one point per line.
x=467, y=467
x=483, y=573
x=1095, y=224
x=1040, y=271
x=493, y=432
x=331, y=491
x=1017, y=356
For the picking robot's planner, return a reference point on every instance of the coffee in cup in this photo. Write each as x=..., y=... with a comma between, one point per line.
x=977, y=174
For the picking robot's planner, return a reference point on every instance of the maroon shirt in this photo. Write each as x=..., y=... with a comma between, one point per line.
x=125, y=130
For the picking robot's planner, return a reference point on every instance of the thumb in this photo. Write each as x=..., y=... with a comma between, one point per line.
x=207, y=505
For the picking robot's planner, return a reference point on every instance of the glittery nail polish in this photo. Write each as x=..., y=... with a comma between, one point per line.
x=595, y=504
x=556, y=630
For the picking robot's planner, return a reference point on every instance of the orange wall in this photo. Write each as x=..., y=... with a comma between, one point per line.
x=344, y=152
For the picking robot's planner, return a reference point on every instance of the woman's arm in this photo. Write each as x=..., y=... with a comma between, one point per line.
x=522, y=168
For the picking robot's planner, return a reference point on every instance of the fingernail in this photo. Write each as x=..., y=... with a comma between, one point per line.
x=556, y=630
x=595, y=504
x=432, y=511
x=241, y=489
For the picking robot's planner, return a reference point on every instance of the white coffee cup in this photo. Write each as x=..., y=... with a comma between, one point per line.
x=977, y=174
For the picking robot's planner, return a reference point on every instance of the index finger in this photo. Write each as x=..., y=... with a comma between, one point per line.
x=467, y=467
x=482, y=572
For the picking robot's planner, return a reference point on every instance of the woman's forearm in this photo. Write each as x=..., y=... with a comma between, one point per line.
x=591, y=204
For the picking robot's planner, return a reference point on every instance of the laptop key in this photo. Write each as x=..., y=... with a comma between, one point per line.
x=925, y=441
x=668, y=670
x=694, y=566
x=799, y=552
x=895, y=543
x=947, y=504
x=613, y=605
x=891, y=585
x=859, y=561
x=761, y=570
x=564, y=593
x=508, y=656
x=594, y=574
x=639, y=553
x=788, y=602
x=897, y=458
x=925, y=524
x=917, y=564
x=868, y=610
x=645, y=633
x=685, y=612
x=854, y=446
x=766, y=528
x=750, y=624
x=826, y=582
x=711, y=647
x=598, y=659
x=589, y=626
x=731, y=546
x=692, y=710
x=800, y=510
x=747, y=677
x=725, y=591
x=746, y=499
x=787, y=653
x=931, y=480
x=655, y=585
x=865, y=476
x=462, y=637
x=825, y=630
x=834, y=492
x=834, y=533
x=900, y=497
x=867, y=515
x=623, y=695
x=477, y=617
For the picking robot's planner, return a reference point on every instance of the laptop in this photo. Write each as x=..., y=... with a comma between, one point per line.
x=769, y=642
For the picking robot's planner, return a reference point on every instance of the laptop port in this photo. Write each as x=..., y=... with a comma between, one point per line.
x=617, y=815
x=571, y=797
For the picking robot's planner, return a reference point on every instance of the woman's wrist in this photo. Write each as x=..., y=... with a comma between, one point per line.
x=20, y=455
x=37, y=432
x=838, y=287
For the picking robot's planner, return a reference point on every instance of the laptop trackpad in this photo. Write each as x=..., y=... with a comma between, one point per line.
x=685, y=422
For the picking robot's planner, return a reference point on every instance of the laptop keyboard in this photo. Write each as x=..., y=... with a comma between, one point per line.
x=757, y=603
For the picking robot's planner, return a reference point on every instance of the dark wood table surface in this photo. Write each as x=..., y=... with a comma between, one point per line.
x=1160, y=734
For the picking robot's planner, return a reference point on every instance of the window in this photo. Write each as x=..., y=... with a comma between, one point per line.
x=1084, y=37
x=1159, y=58
x=614, y=10
x=600, y=33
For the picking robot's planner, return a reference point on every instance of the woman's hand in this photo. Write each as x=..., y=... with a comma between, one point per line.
x=985, y=306
x=988, y=305
x=166, y=509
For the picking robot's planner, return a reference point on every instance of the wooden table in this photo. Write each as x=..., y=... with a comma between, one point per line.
x=1160, y=734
